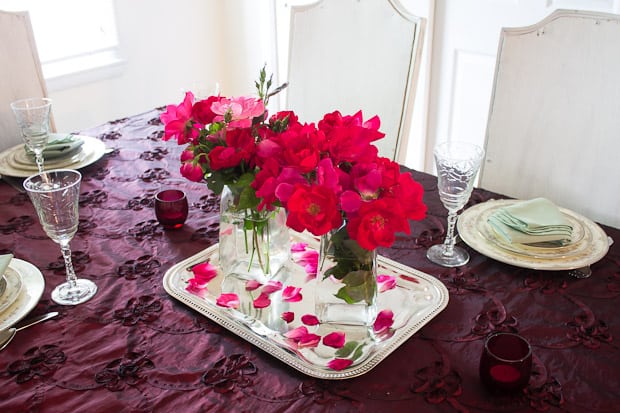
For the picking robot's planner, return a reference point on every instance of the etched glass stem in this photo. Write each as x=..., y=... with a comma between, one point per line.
x=448, y=244
x=38, y=157
x=66, y=255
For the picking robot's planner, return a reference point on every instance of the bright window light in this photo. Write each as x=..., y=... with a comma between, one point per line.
x=73, y=37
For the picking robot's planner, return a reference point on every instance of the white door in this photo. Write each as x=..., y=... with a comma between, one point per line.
x=464, y=47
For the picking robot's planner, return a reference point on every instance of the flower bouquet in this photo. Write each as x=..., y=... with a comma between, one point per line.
x=327, y=177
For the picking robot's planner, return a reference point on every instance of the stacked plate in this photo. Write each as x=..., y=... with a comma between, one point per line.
x=588, y=243
x=21, y=287
x=76, y=152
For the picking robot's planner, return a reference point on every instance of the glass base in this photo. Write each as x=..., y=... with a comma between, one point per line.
x=436, y=254
x=82, y=292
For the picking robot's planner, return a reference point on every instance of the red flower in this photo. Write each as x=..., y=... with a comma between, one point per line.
x=191, y=172
x=240, y=147
x=313, y=209
x=201, y=111
x=377, y=223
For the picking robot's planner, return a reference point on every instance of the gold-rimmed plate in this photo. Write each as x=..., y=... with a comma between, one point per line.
x=587, y=245
x=11, y=160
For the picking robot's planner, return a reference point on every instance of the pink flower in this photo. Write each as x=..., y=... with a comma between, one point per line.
x=383, y=322
x=252, y=285
x=309, y=319
x=296, y=333
x=272, y=287
x=335, y=339
x=386, y=282
x=262, y=301
x=228, y=300
x=240, y=110
x=178, y=123
x=339, y=364
x=288, y=316
x=291, y=294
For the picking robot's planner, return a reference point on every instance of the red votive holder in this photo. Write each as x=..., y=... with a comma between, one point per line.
x=171, y=208
x=506, y=363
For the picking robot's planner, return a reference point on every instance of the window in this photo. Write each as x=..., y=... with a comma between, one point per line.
x=77, y=40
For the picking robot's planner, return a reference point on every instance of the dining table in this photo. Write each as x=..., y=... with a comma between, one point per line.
x=134, y=347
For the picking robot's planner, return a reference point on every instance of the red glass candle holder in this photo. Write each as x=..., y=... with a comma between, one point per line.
x=506, y=363
x=171, y=208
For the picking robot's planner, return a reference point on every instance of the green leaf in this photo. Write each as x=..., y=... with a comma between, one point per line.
x=347, y=349
x=358, y=286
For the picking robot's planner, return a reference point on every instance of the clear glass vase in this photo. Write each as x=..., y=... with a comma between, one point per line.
x=254, y=245
x=346, y=291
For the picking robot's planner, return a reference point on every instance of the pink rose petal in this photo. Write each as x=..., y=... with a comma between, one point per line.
x=272, y=287
x=339, y=364
x=204, y=272
x=262, y=301
x=252, y=285
x=308, y=341
x=384, y=321
x=288, y=316
x=309, y=319
x=228, y=300
x=296, y=333
x=195, y=288
x=386, y=282
x=298, y=246
x=335, y=339
x=291, y=294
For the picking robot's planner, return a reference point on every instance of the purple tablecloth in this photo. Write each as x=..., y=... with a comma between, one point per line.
x=133, y=348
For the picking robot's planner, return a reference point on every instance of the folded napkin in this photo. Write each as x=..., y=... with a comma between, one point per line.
x=59, y=144
x=5, y=260
x=528, y=222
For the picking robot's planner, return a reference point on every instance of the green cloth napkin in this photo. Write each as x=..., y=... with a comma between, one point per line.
x=5, y=260
x=527, y=222
x=59, y=144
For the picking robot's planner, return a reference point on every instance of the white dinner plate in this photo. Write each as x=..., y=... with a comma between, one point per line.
x=32, y=289
x=13, y=288
x=587, y=245
x=11, y=160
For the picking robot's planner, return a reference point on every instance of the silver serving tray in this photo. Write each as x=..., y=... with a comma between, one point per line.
x=416, y=299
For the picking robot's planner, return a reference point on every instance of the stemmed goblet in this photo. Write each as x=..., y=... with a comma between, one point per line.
x=33, y=118
x=55, y=196
x=457, y=165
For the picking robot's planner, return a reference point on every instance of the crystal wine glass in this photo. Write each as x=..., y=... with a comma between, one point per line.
x=457, y=165
x=55, y=196
x=33, y=118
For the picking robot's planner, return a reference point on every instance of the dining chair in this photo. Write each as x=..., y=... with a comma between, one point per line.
x=349, y=55
x=22, y=76
x=554, y=120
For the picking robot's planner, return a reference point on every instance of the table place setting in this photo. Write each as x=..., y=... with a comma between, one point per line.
x=511, y=231
x=43, y=149
x=23, y=287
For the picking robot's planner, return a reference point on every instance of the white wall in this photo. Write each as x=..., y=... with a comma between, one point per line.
x=170, y=46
